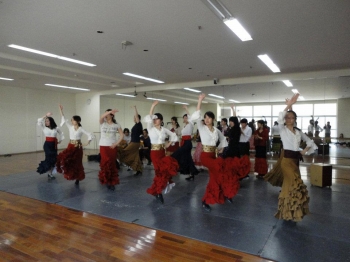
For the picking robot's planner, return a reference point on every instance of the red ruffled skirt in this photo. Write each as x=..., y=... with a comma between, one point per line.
x=260, y=166
x=165, y=167
x=231, y=175
x=70, y=163
x=214, y=193
x=245, y=166
x=173, y=148
x=108, y=170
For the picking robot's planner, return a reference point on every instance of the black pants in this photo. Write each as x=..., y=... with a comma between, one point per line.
x=184, y=157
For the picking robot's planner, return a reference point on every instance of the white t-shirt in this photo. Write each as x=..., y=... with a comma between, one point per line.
x=158, y=136
x=108, y=133
x=56, y=132
x=208, y=137
x=188, y=129
x=247, y=134
x=275, y=131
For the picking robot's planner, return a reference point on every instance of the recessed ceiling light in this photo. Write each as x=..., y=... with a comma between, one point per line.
x=238, y=29
x=270, y=64
x=287, y=83
x=151, y=98
x=192, y=90
x=69, y=87
x=235, y=101
x=181, y=103
x=50, y=55
x=295, y=91
x=7, y=79
x=216, y=96
x=143, y=77
x=124, y=95
x=301, y=98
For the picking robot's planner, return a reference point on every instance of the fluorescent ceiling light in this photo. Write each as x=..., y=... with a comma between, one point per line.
x=69, y=87
x=181, y=103
x=235, y=101
x=124, y=95
x=151, y=98
x=301, y=98
x=217, y=96
x=267, y=60
x=50, y=55
x=238, y=29
x=7, y=79
x=145, y=78
x=295, y=91
x=193, y=90
x=287, y=83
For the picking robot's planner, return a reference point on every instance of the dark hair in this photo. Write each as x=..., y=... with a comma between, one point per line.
x=295, y=115
x=234, y=119
x=139, y=117
x=225, y=120
x=126, y=130
x=113, y=119
x=184, y=115
x=52, y=122
x=244, y=120
x=176, y=123
x=261, y=122
x=159, y=116
x=316, y=123
x=145, y=130
x=211, y=115
x=275, y=123
x=77, y=119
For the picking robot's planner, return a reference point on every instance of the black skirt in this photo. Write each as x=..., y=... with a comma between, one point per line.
x=50, y=157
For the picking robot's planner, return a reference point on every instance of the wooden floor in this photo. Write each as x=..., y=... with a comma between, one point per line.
x=32, y=230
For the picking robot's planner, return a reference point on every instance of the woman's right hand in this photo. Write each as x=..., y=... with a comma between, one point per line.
x=155, y=103
x=201, y=96
x=48, y=114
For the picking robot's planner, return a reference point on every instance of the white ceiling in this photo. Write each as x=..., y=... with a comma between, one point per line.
x=308, y=40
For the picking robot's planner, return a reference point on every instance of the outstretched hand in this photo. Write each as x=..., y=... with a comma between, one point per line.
x=201, y=96
x=114, y=111
x=48, y=114
x=60, y=106
x=184, y=107
x=293, y=100
x=155, y=103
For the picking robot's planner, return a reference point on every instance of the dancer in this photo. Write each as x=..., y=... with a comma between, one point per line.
x=198, y=151
x=130, y=155
x=127, y=137
x=177, y=130
x=210, y=135
x=164, y=166
x=276, y=139
x=261, y=137
x=145, y=149
x=318, y=129
x=108, y=149
x=293, y=199
x=244, y=144
x=54, y=136
x=183, y=154
x=327, y=129
x=70, y=161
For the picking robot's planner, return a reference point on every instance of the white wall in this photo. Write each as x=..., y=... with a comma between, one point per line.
x=343, y=117
x=19, y=110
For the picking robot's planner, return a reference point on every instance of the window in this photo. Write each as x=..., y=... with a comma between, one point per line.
x=325, y=109
x=244, y=111
x=303, y=109
x=260, y=111
x=276, y=109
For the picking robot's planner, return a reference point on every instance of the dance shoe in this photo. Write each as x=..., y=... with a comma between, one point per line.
x=76, y=182
x=138, y=173
x=190, y=178
x=229, y=200
x=160, y=198
x=206, y=206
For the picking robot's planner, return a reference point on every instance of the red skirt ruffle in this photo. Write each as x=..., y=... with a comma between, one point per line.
x=230, y=176
x=245, y=166
x=165, y=167
x=214, y=192
x=70, y=163
x=108, y=170
x=173, y=148
x=260, y=166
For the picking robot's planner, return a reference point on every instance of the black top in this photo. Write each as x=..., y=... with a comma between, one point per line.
x=234, y=135
x=146, y=142
x=136, y=132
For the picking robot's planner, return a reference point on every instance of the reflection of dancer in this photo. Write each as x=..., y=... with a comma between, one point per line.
x=51, y=132
x=261, y=137
x=293, y=199
x=177, y=130
x=130, y=154
x=210, y=135
x=145, y=149
x=108, y=148
x=183, y=154
x=198, y=151
x=164, y=166
x=70, y=161
x=244, y=144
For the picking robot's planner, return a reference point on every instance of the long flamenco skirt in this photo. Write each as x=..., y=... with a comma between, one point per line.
x=108, y=170
x=165, y=167
x=50, y=158
x=275, y=176
x=293, y=199
x=230, y=176
x=70, y=163
x=184, y=158
x=260, y=165
x=130, y=156
x=173, y=148
x=214, y=193
x=197, y=155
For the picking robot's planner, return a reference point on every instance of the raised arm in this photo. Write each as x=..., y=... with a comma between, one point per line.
x=152, y=107
x=291, y=102
x=61, y=109
x=136, y=115
x=186, y=109
x=41, y=119
x=233, y=111
x=102, y=118
x=200, y=99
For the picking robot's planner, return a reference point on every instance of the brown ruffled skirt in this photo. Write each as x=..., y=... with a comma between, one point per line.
x=275, y=176
x=293, y=199
x=131, y=157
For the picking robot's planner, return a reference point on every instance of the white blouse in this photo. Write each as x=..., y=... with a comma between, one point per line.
x=75, y=134
x=127, y=138
x=290, y=140
x=188, y=129
x=158, y=136
x=56, y=132
x=208, y=137
x=247, y=134
x=109, y=133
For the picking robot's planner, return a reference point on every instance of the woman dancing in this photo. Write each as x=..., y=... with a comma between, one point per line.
x=293, y=199
x=54, y=136
x=177, y=130
x=210, y=135
x=164, y=166
x=108, y=149
x=70, y=161
x=130, y=154
x=261, y=137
